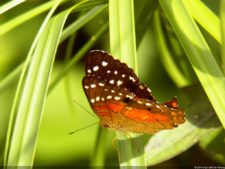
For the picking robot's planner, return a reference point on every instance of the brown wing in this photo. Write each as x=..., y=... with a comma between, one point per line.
x=101, y=64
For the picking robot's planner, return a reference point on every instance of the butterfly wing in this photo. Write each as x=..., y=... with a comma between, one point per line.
x=112, y=71
x=121, y=101
x=122, y=110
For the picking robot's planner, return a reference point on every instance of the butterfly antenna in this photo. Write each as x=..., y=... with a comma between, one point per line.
x=83, y=128
x=85, y=109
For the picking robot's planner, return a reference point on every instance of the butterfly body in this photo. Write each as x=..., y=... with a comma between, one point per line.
x=121, y=101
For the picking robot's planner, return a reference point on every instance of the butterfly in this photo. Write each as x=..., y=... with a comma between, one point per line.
x=121, y=101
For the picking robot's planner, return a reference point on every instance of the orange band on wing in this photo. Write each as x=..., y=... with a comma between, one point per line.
x=145, y=115
x=134, y=114
x=105, y=110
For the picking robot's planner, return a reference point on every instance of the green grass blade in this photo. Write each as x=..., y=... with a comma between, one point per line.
x=13, y=76
x=82, y=21
x=199, y=54
x=22, y=77
x=143, y=16
x=10, y=5
x=123, y=46
x=68, y=66
x=205, y=17
x=11, y=24
x=99, y=153
x=68, y=55
x=122, y=32
x=166, y=58
x=222, y=14
x=33, y=96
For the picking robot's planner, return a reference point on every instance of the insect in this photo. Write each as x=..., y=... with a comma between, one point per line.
x=121, y=101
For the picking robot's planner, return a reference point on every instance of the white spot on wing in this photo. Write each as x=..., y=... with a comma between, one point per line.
x=97, y=98
x=129, y=96
x=131, y=78
x=123, y=75
x=89, y=70
x=113, y=91
x=111, y=81
x=103, y=99
x=108, y=71
x=92, y=100
x=117, y=98
x=141, y=87
x=104, y=63
x=119, y=82
x=86, y=87
x=157, y=106
x=148, y=104
x=101, y=84
x=92, y=85
x=115, y=72
x=95, y=68
x=139, y=102
x=109, y=97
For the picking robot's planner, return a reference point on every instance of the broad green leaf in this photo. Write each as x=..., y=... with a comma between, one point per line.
x=201, y=120
x=214, y=145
